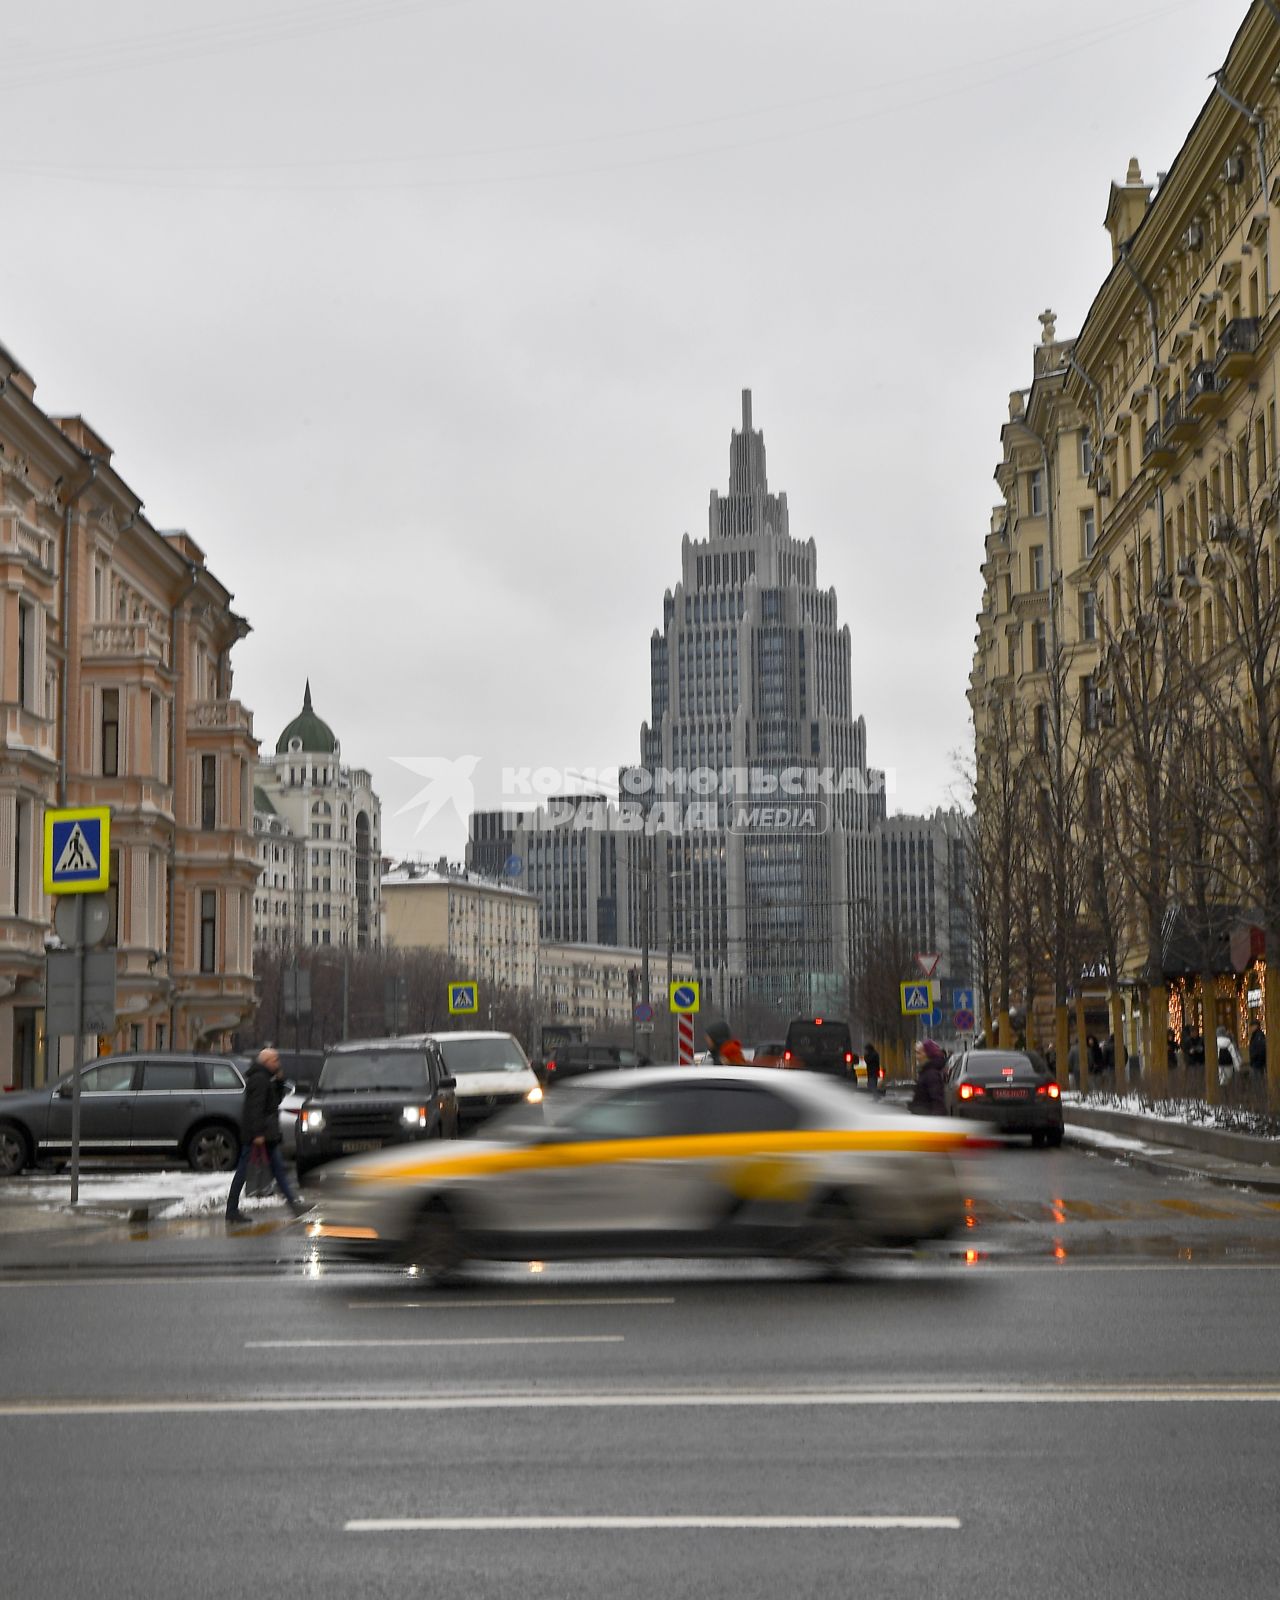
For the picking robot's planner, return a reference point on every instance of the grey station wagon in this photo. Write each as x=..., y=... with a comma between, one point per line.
x=141, y=1105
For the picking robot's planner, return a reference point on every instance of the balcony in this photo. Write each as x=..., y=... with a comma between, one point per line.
x=220, y=716
x=1157, y=450
x=123, y=641
x=1204, y=391
x=1237, y=352
x=1178, y=426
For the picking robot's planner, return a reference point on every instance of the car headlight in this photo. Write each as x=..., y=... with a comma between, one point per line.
x=534, y=1096
x=313, y=1121
x=415, y=1116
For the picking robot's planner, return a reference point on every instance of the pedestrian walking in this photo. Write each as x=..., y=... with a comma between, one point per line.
x=929, y=1099
x=1258, y=1048
x=875, y=1084
x=264, y=1089
x=725, y=1049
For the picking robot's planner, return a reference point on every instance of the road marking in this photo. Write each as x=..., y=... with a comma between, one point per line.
x=576, y=1524
x=399, y=1344
x=514, y=1303
x=1026, y=1395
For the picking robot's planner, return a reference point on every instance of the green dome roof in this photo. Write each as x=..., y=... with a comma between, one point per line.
x=316, y=736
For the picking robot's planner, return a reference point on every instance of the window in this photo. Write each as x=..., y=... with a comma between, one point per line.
x=21, y=844
x=110, y=733
x=1088, y=615
x=115, y=1078
x=1089, y=702
x=1040, y=653
x=219, y=1075
x=208, y=930
x=157, y=737
x=168, y=1076
x=209, y=793
x=1086, y=453
x=1042, y=730
x=1035, y=493
x=26, y=654
x=1037, y=566
x=1088, y=532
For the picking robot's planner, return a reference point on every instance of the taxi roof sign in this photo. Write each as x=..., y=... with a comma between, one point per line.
x=684, y=997
x=77, y=850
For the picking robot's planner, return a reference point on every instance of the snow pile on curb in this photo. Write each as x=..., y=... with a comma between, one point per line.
x=1189, y=1113
x=167, y=1195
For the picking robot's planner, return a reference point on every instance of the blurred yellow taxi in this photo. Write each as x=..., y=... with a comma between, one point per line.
x=659, y=1161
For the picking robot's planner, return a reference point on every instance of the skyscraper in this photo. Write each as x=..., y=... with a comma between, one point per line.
x=768, y=881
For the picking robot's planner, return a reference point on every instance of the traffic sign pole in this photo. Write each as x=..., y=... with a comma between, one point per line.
x=77, y=1053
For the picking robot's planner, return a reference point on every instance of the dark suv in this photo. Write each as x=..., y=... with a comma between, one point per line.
x=820, y=1044
x=156, y=1104
x=379, y=1092
x=573, y=1060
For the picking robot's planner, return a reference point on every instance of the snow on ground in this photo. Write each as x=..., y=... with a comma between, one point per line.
x=1112, y=1141
x=167, y=1194
x=1187, y=1112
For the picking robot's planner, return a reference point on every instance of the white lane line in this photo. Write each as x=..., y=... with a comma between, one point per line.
x=575, y=1524
x=186, y=1281
x=513, y=1303
x=1144, y=1394
x=400, y=1344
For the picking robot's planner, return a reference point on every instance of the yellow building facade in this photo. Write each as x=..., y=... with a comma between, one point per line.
x=1156, y=429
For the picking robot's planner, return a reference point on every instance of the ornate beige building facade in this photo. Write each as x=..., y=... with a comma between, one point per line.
x=1132, y=469
x=116, y=690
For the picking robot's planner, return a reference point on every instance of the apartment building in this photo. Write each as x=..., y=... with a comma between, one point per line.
x=1139, y=477
x=489, y=927
x=116, y=689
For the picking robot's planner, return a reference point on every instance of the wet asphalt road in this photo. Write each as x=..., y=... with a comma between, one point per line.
x=1082, y=1398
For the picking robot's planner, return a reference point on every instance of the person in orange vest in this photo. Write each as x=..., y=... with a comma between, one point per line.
x=725, y=1049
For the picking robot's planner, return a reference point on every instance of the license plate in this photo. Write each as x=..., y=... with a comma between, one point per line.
x=351, y=1147
x=1009, y=1094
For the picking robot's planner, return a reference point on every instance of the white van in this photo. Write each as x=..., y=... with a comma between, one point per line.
x=490, y=1072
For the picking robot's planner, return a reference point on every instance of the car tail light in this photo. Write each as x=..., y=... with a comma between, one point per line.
x=551, y=1066
x=848, y=1057
x=969, y=1090
x=786, y=1055
x=817, y=1022
x=1051, y=1089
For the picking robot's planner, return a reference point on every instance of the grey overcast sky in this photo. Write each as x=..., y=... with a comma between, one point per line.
x=429, y=318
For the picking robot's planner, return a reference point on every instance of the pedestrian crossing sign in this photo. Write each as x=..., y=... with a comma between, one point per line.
x=464, y=999
x=916, y=999
x=77, y=850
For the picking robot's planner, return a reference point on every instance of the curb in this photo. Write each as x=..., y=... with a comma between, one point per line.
x=1244, y=1147
x=1259, y=1180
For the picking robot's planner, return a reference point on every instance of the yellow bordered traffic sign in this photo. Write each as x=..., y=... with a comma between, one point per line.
x=464, y=999
x=916, y=999
x=77, y=850
x=684, y=997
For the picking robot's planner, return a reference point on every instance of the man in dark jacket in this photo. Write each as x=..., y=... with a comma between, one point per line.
x=929, y=1099
x=1258, y=1048
x=260, y=1130
x=872, y=1058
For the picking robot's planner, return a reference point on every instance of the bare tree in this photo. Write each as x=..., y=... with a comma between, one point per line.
x=1232, y=659
x=998, y=843
x=1137, y=690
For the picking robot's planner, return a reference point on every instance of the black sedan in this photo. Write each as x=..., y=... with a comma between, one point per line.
x=1012, y=1091
x=156, y=1104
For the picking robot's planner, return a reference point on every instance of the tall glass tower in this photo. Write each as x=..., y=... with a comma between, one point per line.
x=769, y=885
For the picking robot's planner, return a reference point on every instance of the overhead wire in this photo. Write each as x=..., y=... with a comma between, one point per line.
x=136, y=176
